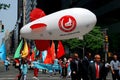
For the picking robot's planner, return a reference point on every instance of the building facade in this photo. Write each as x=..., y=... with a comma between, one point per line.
x=24, y=9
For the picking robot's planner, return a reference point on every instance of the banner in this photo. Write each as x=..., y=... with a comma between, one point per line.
x=46, y=66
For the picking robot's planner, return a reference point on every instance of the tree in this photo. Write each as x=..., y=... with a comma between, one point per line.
x=74, y=43
x=92, y=41
x=4, y=6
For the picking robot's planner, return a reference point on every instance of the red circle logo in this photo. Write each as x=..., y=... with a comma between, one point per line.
x=67, y=23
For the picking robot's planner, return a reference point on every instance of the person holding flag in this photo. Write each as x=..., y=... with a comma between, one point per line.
x=24, y=68
x=55, y=66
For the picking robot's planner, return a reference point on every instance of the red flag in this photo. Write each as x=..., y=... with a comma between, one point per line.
x=50, y=54
x=53, y=50
x=60, y=50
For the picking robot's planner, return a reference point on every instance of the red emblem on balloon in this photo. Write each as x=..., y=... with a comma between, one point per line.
x=67, y=23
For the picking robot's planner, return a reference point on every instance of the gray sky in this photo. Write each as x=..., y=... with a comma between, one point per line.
x=8, y=17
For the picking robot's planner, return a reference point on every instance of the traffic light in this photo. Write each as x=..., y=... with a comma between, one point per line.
x=109, y=54
x=2, y=29
x=106, y=38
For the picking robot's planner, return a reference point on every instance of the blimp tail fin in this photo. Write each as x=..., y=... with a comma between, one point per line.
x=39, y=26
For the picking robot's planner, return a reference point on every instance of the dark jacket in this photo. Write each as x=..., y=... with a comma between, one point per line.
x=74, y=67
x=85, y=65
x=92, y=71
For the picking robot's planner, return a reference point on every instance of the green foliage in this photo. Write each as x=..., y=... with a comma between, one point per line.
x=92, y=41
x=4, y=6
x=73, y=43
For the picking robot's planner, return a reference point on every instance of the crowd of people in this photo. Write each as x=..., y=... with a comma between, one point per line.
x=73, y=67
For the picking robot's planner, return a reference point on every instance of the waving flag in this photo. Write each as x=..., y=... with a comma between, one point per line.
x=17, y=52
x=3, y=52
x=60, y=50
x=25, y=50
x=53, y=50
x=48, y=59
x=50, y=55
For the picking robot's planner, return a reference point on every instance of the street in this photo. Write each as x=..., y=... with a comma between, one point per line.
x=12, y=73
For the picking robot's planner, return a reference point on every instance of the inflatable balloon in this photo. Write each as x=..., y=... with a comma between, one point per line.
x=35, y=14
x=42, y=44
x=63, y=24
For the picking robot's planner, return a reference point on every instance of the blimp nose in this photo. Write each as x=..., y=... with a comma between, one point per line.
x=24, y=30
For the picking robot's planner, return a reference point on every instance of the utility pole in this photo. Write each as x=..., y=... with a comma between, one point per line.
x=83, y=48
x=24, y=12
x=106, y=43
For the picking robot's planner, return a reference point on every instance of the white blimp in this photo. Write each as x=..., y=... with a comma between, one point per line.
x=64, y=24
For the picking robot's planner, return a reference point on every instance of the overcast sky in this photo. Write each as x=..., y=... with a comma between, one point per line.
x=9, y=16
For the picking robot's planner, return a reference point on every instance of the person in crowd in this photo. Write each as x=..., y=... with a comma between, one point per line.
x=96, y=69
x=68, y=69
x=55, y=66
x=6, y=63
x=107, y=68
x=64, y=68
x=35, y=68
x=17, y=64
x=76, y=67
x=85, y=63
x=60, y=67
x=115, y=65
x=24, y=69
x=50, y=70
